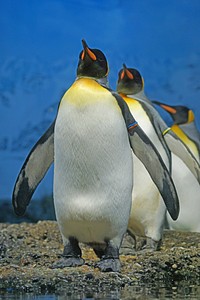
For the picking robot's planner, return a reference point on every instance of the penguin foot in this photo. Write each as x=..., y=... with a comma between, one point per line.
x=109, y=265
x=128, y=245
x=68, y=262
x=127, y=251
x=141, y=244
x=99, y=252
x=71, y=255
x=109, y=261
x=151, y=245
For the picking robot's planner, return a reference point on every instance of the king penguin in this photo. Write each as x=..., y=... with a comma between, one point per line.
x=188, y=189
x=91, y=139
x=148, y=211
x=184, y=126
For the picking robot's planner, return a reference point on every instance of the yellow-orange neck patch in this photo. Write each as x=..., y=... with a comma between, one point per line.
x=191, y=145
x=190, y=116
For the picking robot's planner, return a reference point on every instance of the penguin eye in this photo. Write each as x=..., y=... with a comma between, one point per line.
x=100, y=59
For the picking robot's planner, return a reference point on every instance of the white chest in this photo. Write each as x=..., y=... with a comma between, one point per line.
x=93, y=166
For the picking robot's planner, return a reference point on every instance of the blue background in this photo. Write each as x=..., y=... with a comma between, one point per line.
x=39, y=46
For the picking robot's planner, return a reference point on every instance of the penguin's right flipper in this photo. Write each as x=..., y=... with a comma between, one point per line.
x=33, y=170
x=147, y=153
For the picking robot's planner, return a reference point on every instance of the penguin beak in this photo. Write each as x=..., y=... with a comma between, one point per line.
x=87, y=50
x=127, y=72
x=167, y=108
x=124, y=67
x=170, y=109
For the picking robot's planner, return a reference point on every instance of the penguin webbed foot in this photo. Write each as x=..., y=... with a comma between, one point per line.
x=71, y=255
x=149, y=245
x=110, y=260
x=128, y=246
x=109, y=265
x=68, y=262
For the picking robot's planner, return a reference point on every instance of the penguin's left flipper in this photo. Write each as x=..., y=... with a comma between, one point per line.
x=177, y=147
x=33, y=170
x=144, y=149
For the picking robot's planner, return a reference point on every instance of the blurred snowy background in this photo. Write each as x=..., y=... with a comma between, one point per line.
x=39, y=46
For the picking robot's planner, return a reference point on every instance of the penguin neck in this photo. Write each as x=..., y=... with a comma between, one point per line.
x=140, y=96
x=191, y=125
x=191, y=130
x=189, y=137
x=102, y=81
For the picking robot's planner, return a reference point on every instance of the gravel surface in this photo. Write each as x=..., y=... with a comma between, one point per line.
x=27, y=252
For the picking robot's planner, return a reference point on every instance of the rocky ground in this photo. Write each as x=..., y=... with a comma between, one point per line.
x=27, y=252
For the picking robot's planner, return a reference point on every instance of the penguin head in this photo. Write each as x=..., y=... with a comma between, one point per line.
x=129, y=81
x=180, y=114
x=92, y=63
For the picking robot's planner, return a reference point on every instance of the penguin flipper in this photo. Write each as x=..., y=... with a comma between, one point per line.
x=33, y=170
x=179, y=148
x=147, y=153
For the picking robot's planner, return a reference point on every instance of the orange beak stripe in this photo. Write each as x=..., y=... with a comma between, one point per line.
x=129, y=74
x=83, y=55
x=168, y=108
x=122, y=75
x=91, y=54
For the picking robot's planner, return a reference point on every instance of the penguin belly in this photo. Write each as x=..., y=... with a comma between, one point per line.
x=148, y=209
x=93, y=166
x=188, y=190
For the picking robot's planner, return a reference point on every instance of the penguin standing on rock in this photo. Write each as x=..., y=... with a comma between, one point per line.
x=93, y=169
x=148, y=210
